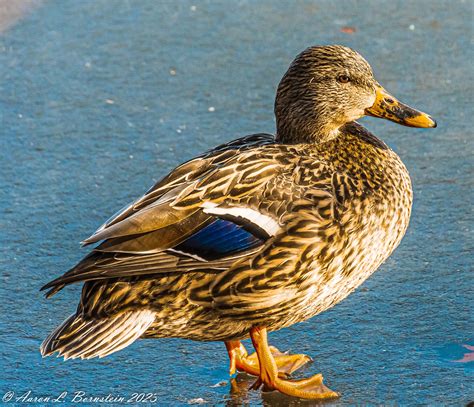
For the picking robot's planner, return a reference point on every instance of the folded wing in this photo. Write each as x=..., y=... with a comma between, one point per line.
x=194, y=219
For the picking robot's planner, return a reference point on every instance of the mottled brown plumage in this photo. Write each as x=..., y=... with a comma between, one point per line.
x=322, y=205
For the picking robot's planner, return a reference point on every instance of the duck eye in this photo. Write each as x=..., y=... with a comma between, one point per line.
x=343, y=78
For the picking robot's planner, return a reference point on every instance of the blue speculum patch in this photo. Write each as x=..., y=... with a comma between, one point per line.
x=219, y=238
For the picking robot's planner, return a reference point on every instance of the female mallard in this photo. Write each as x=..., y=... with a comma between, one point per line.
x=254, y=235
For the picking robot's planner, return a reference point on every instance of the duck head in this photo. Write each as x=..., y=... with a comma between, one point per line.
x=325, y=88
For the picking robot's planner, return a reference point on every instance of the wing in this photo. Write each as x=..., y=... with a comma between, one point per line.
x=182, y=223
x=212, y=248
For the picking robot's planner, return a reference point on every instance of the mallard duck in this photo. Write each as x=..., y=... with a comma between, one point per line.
x=255, y=235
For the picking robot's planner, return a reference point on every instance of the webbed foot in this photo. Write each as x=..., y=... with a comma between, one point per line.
x=311, y=388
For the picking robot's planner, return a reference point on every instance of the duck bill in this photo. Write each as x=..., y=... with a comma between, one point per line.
x=387, y=107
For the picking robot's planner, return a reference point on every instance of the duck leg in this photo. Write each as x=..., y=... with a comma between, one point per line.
x=242, y=361
x=311, y=388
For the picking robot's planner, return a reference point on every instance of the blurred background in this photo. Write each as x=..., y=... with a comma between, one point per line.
x=99, y=99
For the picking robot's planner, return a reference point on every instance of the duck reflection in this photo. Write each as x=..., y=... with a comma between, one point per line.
x=240, y=395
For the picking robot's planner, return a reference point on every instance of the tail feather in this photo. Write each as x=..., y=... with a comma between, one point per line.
x=114, y=331
x=85, y=339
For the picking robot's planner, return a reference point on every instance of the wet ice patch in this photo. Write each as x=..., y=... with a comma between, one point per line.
x=458, y=353
x=198, y=400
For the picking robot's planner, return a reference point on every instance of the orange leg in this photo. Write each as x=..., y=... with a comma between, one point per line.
x=240, y=360
x=311, y=388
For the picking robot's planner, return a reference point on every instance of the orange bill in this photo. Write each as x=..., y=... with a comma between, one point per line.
x=387, y=107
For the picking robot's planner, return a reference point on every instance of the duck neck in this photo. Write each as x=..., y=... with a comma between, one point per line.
x=305, y=133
